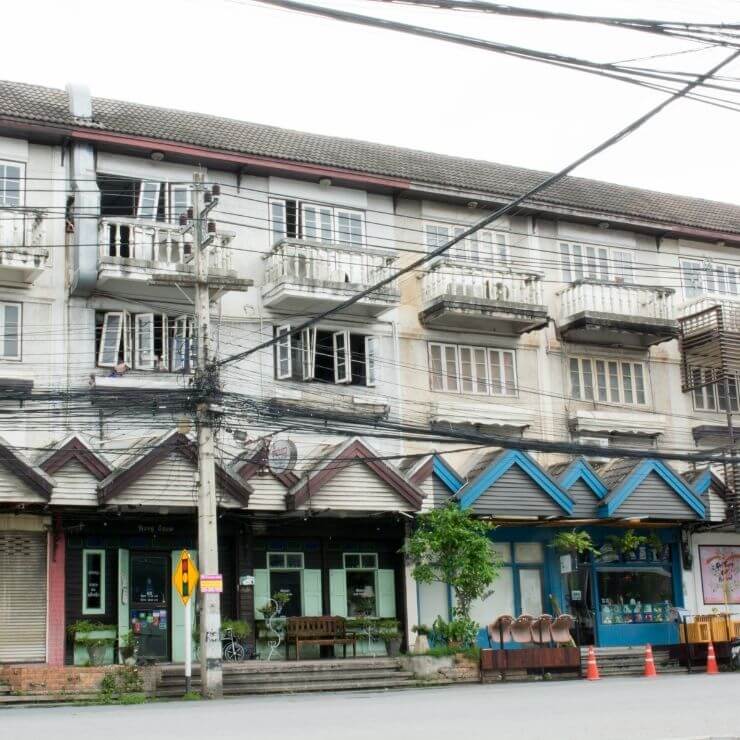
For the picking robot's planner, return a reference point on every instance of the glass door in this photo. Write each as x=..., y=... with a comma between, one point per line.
x=149, y=604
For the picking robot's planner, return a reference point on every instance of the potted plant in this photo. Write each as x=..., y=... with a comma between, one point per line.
x=421, y=645
x=389, y=633
x=127, y=648
x=655, y=544
x=573, y=542
x=96, y=637
x=627, y=544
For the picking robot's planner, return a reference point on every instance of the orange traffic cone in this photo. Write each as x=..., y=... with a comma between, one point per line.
x=712, y=667
x=592, y=670
x=650, y=671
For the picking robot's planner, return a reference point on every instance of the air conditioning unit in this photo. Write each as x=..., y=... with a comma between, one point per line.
x=595, y=442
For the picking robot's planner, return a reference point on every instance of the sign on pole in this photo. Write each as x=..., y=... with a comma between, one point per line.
x=212, y=584
x=185, y=577
x=185, y=581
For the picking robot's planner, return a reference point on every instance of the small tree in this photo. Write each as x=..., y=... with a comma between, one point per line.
x=451, y=546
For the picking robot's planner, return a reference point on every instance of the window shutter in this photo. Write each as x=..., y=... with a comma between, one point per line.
x=312, y=593
x=165, y=337
x=192, y=344
x=342, y=362
x=122, y=596
x=370, y=361
x=623, y=265
x=261, y=591
x=386, y=601
x=127, y=340
x=308, y=353
x=284, y=369
x=278, y=220
x=338, y=593
x=148, y=200
x=179, y=343
x=180, y=201
x=691, y=271
x=110, y=339
x=10, y=324
x=317, y=223
x=144, y=341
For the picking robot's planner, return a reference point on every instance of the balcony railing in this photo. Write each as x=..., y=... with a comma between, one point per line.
x=635, y=301
x=159, y=243
x=696, y=314
x=22, y=228
x=329, y=266
x=451, y=278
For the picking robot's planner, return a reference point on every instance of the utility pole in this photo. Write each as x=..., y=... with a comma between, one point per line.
x=211, y=674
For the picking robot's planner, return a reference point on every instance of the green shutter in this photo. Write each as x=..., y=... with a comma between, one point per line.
x=261, y=591
x=178, y=613
x=338, y=593
x=122, y=596
x=312, y=593
x=386, y=593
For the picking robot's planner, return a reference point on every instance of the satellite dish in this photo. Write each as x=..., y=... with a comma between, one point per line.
x=282, y=456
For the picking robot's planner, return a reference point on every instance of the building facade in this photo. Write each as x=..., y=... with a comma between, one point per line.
x=560, y=324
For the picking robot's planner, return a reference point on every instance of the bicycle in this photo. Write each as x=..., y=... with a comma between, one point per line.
x=232, y=650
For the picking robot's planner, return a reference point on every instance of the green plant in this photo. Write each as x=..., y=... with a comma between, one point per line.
x=573, y=541
x=451, y=546
x=654, y=542
x=191, y=696
x=275, y=606
x=457, y=633
x=627, y=543
x=122, y=684
x=132, y=699
x=421, y=629
x=239, y=628
x=81, y=629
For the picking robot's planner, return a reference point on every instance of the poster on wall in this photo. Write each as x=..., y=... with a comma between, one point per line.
x=720, y=573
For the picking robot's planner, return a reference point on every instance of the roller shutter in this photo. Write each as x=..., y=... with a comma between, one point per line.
x=22, y=597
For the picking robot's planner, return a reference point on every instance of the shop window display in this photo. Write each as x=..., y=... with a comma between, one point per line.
x=635, y=595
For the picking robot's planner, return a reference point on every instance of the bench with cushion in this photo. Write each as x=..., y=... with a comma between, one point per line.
x=317, y=631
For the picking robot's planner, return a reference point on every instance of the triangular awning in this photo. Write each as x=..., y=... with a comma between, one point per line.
x=542, y=489
x=74, y=448
x=348, y=455
x=652, y=489
x=580, y=470
x=32, y=475
x=172, y=443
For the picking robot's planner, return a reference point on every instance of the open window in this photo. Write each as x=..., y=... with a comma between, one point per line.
x=283, y=358
x=342, y=366
x=184, y=348
x=110, y=341
x=308, y=353
x=144, y=341
x=148, y=200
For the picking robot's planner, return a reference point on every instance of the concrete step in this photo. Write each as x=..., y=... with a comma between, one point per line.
x=283, y=666
x=4, y=689
x=295, y=687
x=259, y=679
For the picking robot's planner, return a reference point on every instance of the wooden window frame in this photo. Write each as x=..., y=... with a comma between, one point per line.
x=103, y=585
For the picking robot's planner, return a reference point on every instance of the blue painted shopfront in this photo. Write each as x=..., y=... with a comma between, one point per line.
x=620, y=617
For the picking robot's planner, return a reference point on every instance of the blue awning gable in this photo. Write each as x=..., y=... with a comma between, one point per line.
x=579, y=469
x=507, y=460
x=702, y=483
x=446, y=473
x=637, y=478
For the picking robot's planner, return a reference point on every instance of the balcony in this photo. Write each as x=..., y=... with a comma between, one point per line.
x=463, y=297
x=23, y=252
x=136, y=255
x=633, y=316
x=305, y=276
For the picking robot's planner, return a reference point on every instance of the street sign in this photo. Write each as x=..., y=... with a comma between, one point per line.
x=212, y=584
x=185, y=577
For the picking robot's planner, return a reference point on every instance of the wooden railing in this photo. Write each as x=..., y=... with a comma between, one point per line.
x=637, y=301
x=153, y=241
x=297, y=260
x=22, y=228
x=453, y=278
x=695, y=314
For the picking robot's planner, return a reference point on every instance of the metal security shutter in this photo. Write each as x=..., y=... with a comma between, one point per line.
x=22, y=597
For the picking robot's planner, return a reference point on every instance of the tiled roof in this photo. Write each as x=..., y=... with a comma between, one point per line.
x=500, y=181
x=617, y=470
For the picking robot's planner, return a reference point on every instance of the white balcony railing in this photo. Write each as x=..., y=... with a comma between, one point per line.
x=451, y=278
x=300, y=261
x=22, y=229
x=636, y=301
x=161, y=243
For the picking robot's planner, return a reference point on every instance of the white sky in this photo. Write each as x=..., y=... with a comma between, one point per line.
x=239, y=59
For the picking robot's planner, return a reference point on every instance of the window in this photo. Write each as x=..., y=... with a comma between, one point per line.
x=361, y=574
x=339, y=357
x=709, y=391
x=294, y=219
x=93, y=581
x=285, y=560
x=144, y=199
x=702, y=276
x=145, y=341
x=635, y=594
x=11, y=195
x=10, y=331
x=464, y=369
x=608, y=381
x=580, y=262
x=485, y=247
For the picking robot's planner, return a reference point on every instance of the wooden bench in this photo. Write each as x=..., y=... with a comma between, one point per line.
x=317, y=631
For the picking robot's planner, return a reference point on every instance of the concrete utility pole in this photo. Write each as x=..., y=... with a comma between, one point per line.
x=211, y=674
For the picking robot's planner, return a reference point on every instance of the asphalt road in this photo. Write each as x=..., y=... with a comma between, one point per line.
x=672, y=707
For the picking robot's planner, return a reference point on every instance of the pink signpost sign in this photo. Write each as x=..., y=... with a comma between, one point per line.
x=211, y=584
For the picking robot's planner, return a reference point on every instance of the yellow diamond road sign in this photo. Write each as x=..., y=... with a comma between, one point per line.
x=185, y=577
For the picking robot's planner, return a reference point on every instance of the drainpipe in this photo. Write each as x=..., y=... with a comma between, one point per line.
x=87, y=199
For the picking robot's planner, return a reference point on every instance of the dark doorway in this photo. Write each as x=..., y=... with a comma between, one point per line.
x=150, y=604
x=289, y=583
